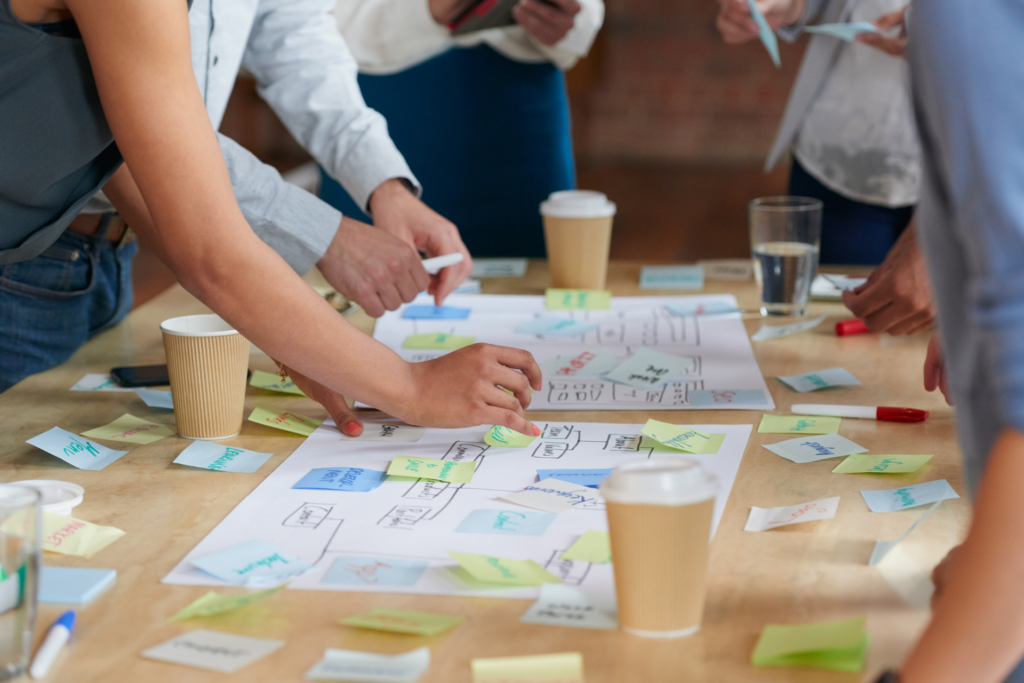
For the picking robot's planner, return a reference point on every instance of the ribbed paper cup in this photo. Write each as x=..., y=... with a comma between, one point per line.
x=207, y=362
x=659, y=518
x=578, y=235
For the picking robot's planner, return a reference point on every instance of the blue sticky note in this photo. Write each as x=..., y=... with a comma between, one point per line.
x=253, y=564
x=354, y=570
x=589, y=478
x=845, y=32
x=697, y=308
x=73, y=585
x=506, y=523
x=75, y=450
x=767, y=34
x=156, y=399
x=215, y=456
x=712, y=398
x=428, y=312
x=820, y=379
x=672, y=277
x=556, y=327
x=891, y=500
x=342, y=479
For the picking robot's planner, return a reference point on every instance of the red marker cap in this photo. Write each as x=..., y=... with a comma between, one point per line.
x=901, y=414
x=844, y=328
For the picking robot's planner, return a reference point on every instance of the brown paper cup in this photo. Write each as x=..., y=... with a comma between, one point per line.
x=578, y=233
x=207, y=362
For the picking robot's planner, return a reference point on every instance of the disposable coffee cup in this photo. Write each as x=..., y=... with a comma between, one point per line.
x=578, y=234
x=207, y=362
x=659, y=519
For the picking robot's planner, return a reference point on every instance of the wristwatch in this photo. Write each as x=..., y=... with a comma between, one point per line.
x=889, y=676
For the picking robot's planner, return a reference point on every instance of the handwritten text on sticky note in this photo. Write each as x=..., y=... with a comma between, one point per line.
x=647, y=369
x=284, y=420
x=221, y=458
x=819, y=379
x=405, y=621
x=798, y=424
x=806, y=449
x=253, y=563
x=881, y=464
x=501, y=570
x=76, y=450
x=685, y=439
x=437, y=340
x=429, y=468
x=761, y=519
x=272, y=382
x=131, y=429
x=499, y=436
x=577, y=299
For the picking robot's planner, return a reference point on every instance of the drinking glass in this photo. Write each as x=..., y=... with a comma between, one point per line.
x=785, y=236
x=20, y=555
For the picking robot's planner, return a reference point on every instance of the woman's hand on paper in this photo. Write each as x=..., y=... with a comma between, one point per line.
x=547, y=20
x=737, y=25
x=334, y=402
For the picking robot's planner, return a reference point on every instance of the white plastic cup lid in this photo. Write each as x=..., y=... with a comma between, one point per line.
x=208, y=325
x=55, y=496
x=661, y=481
x=577, y=204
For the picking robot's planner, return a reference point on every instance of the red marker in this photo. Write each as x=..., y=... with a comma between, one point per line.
x=844, y=328
x=864, y=412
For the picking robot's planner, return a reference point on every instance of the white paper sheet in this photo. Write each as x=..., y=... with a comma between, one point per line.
x=560, y=605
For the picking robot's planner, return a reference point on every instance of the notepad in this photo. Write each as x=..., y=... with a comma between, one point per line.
x=74, y=585
x=833, y=645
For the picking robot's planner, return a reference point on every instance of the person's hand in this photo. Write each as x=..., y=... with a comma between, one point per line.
x=463, y=389
x=736, y=24
x=935, y=370
x=445, y=11
x=334, y=402
x=891, y=45
x=897, y=298
x=547, y=20
x=400, y=213
x=940, y=575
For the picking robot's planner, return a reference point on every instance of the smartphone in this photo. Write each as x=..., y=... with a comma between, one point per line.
x=141, y=376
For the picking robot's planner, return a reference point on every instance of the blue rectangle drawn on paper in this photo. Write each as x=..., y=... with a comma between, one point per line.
x=672, y=277
x=73, y=585
x=725, y=397
x=703, y=308
x=556, y=327
x=431, y=312
x=76, y=450
x=506, y=522
x=342, y=479
x=221, y=458
x=355, y=570
x=589, y=478
x=891, y=500
x=253, y=563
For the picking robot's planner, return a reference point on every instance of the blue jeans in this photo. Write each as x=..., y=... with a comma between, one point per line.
x=54, y=303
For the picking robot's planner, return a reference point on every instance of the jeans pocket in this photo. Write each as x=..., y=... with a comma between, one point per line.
x=58, y=274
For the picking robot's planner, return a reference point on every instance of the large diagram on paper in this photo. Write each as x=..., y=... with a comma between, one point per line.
x=396, y=538
x=722, y=358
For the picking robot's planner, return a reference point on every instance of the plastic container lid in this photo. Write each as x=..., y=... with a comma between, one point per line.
x=208, y=325
x=59, y=497
x=577, y=204
x=661, y=481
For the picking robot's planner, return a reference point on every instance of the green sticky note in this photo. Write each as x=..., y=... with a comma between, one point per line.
x=592, y=546
x=404, y=621
x=272, y=382
x=834, y=645
x=131, y=429
x=504, y=571
x=435, y=470
x=503, y=437
x=282, y=419
x=888, y=464
x=799, y=424
x=681, y=438
x=577, y=299
x=437, y=340
x=215, y=603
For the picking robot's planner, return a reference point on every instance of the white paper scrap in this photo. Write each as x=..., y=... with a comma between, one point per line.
x=97, y=382
x=811, y=448
x=560, y=605
x=368, y=667
x=554, y=495
x=213, y=650
x=777, y=331
x=883, y=548
x=499, y=267
x=761, y=519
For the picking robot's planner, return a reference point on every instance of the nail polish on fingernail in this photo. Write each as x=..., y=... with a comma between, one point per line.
x=350, y=428
x=536, y=430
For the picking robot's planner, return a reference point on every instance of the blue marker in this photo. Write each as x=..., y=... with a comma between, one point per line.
x=56, y=638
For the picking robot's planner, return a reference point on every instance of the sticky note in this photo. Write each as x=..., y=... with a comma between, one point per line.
x=273, y=382
x=905, y=497
x=577, y=299
x=352, y=665
x=560, y=605
x=777, y=331
x=589, y=478
x=806, y=449
x=282, y=419
x=820, y=379
x=766, y=33
x=431, y=312
x=388, y=431
x=360, y=570
x=341, y=479
x=727, y=268
x=156, y=399
x=647, y=369
x=592, y=546
x=681, y=438
x=75, y=450
x=503, y=437
x=798, y=424
x=405, y=621
x=713, y=445
x=131, y=429
x=437, y=340
x=672, y=277
x=73, y=585
x=833, y=645
x=553, y=495
x=214, y=456
x=761, y=519
x=711, y=398
x=695, y=309
x=506, y=522
x=499, y=267
x=504, y=571
x=845, y=32
x=216, y=603
x=70, y=536
x=212, y=650
x=253, y=564
x=887, y=464
x=429, y=468
x=883, y=548
x=555, y=327
x=97, y=382
x=565, y=667
x=587, y=363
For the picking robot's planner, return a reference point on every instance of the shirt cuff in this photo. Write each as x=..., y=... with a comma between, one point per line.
x=368, y=164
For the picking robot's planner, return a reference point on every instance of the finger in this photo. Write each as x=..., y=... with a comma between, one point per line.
x=555, y=16
x=451, y=277
x=420, y=277
x=370, y=302
x=519, y=360
x=406, y=287
x=389, y=296
x=910, y=323
x=868, y=301
x=517, y=383
x=510, y=419
x=891, y=19
x=342, y=415
x=924, y=322
x=885, y=319
x=735, y=29
x=547, y=32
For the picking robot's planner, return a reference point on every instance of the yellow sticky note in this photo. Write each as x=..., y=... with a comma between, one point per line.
x=215, y=603
x=799, y=424
x=70, y=536
x=592, y=546
x=435, y=470
x=282, y=419
x=503, y=437
x=564, y=667
x=713, y=446
x=272, y=382
x=404, y=621
x=501, y=570
x=834, y=645
x=131, y=429
x=681, y=438
x=888, y=464
x=437, y=340
x=577, y=299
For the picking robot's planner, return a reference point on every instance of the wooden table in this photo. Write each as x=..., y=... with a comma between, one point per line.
x=803, y=573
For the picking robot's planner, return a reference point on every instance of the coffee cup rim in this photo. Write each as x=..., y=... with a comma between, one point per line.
x=577, y=204
x=667, y=480
x=205, y=325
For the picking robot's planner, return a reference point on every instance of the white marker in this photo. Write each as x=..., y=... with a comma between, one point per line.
x=56, y=639
x=884, y=413
x=434, y=265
